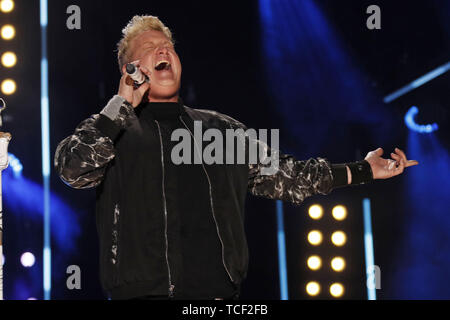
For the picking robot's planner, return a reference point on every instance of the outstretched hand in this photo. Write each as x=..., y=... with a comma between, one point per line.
x=387, y=168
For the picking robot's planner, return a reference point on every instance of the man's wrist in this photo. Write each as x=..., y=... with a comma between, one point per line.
x=361, y=172
x=120, y=111
x=352, y=173
x=340, y=175
x=112, y=108
x=349, y=175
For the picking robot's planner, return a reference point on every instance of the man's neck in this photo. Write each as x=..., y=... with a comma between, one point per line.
x=169, y=99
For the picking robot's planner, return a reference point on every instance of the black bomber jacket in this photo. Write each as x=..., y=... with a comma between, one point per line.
x=108, y=151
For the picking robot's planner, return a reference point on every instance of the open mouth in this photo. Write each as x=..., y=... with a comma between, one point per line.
x=162, y=65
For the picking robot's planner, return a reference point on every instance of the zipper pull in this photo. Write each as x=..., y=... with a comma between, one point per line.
x=171, y=289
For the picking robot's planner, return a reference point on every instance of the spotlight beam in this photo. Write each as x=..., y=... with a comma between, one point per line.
x=417, y=83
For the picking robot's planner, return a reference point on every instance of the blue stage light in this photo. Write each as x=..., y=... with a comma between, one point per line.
x=23, y=200
x=420, y=128
x=417, y=83
x=312, y=77
x=282, y=253
x=45, y=131
x=368, y=247
x=422, y=264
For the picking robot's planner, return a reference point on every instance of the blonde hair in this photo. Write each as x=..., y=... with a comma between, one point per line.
x=136, y=26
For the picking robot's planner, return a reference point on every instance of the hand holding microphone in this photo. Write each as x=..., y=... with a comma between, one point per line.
x=134, y=83
x=136, y=74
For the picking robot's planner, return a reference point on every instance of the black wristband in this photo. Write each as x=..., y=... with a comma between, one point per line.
x=361, y=172
x=339, y=172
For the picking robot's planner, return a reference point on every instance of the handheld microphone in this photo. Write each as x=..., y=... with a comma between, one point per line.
x=136, y=74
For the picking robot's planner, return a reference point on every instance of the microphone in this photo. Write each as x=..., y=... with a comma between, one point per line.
x=136, y=74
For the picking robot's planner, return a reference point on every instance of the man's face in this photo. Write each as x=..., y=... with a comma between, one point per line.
x=155, y=52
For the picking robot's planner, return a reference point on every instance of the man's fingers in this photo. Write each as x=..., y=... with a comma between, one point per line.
x=391, y=164
x=125, y=79
x=401, y=153
x=379, y=152
x=398, y=170
x=144, y=87
x=396, y=157
x=128, y=80
x=408, y=163
x=411, y=163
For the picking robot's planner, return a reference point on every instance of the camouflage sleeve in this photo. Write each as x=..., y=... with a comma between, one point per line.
x=293, y=180
x=82, y=158
x=289, y=179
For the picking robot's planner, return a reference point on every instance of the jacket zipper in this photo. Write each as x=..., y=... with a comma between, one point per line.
x=115, y=235
x=211, y=203
x=171, y=286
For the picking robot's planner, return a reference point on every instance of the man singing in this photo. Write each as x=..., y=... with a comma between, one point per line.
x=169, y=230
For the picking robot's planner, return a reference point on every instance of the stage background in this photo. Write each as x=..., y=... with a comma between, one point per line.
x=309, y=68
